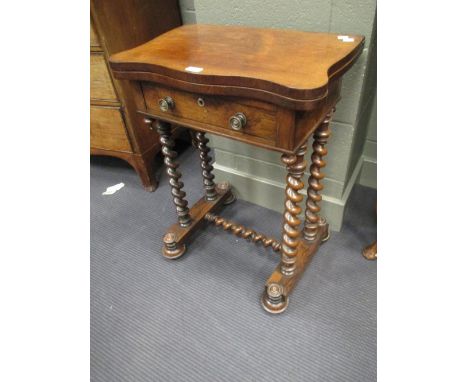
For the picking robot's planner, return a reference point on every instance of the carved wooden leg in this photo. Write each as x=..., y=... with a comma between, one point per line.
x=177, y=235
x=167, y=143
x=193, y=139
x=312, y=217
x=297, y=250
x=200, y=141
x=189, y=220
x=291, y=233
x=275, y=298
x=205, y=163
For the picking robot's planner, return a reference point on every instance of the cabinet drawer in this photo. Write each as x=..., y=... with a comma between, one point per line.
x=101, y=83
x=94, y=42
x=191, y=109
x=108, y=129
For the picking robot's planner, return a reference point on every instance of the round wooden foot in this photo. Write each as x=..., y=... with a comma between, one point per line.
x=273, y=300
x=323, y=223
x=326, y=236
x=370, y=252
x=231, y=199
x=223, y=186
x=172, y=250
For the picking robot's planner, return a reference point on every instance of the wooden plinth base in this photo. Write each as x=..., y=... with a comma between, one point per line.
x=278, y=287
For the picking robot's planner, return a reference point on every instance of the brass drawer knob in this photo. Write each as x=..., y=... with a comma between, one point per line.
x=238, y=121
x=166, y=103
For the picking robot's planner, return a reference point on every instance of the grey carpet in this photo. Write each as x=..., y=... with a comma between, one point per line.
x=199, y=318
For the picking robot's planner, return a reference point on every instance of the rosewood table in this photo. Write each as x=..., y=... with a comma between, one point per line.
x=266, y=87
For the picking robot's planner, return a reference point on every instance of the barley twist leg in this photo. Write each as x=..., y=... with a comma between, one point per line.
x=312, y=217
x=167, y=143
x=205, y=163
x=296, y=166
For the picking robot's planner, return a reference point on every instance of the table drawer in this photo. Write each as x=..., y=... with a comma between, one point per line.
x=213, y=111
x=108, y=129
x=101, y=83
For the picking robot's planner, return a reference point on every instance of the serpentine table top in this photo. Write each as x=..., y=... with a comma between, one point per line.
x=286, y=67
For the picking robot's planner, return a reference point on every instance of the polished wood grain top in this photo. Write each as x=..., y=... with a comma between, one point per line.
x=268, y=64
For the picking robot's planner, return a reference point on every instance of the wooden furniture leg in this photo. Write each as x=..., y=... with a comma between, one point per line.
x=275, y=297
x=199, y=141
x=167, y=143
x=291, y=231
x=297, y=247
x=297, y=251
x=216, y=195
x=205, y=163
x=143, y=165
x=312, y=217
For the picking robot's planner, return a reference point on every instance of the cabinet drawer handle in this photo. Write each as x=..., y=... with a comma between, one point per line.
x=166, y=103
x=238, y=121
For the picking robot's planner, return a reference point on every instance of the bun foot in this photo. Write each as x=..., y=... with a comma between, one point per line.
x=231, y=199
x=226, y=186
x=370, y=252
x=327, y=236
x=172, y=250
x=273, y=300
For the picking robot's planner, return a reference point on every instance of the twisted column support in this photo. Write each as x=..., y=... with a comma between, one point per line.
x=244, y=232
x=312, y=217
x=296, y=166
x=200, y=142
x=167, y=143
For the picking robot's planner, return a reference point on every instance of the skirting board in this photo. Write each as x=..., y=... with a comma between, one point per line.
x=368, y=176
x=270, y=194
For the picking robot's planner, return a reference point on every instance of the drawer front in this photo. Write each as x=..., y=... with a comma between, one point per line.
x=214, y=111
x=108, y=129
x=94, y=38
x=101, y=83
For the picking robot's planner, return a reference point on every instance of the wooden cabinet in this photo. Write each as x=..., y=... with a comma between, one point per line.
x=116, y=129
x=101, y=82
x=108, y=129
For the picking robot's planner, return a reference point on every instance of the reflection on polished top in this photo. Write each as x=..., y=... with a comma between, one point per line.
x=234, y=60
